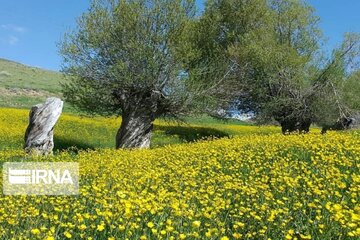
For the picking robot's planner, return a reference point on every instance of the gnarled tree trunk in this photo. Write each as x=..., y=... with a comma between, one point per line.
x=138, y=115
x=343, y=123
x=39, y=133
x=135, y=130
x=289, y=126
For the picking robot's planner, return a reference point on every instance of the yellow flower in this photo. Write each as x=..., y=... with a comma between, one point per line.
x=305, y=236
x=100, y=228
x=288, y=237
x=82, y=227
x=237, y=235
x=35, y=231
x=337, y=207
x=169, y=228
x=196, y=224
x=179, y=185
x=182, y=236
x=224, y=238
x=67, y=234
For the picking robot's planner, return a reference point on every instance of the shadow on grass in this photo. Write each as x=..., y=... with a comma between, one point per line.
x=169, y=136
x=62, y=144
x=191, y=134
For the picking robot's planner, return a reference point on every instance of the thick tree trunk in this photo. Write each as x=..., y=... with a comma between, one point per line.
x=138, y=115
x=139, y=110
x=135, y=130
x=289, y=126
x=343, y=123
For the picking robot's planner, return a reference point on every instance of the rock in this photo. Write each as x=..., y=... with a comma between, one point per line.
x=5, y=74
x=42, y=119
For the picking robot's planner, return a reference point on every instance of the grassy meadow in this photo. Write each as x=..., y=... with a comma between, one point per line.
x=23, y=86
x=80, y=132
x=16, y=75
x=203, y=179
x=213, y=180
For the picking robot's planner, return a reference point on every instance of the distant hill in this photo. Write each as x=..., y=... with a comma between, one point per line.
x=23, y=86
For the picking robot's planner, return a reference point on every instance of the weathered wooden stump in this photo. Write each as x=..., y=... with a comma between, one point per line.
x=39, y=135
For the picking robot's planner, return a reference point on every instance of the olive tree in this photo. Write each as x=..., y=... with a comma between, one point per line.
x=279, y=58
x=125, y=57
x=335, y=86
x=280, y=73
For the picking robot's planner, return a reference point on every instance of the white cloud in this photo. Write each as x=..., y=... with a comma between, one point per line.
x=13, y=28
x=10, y=34
x=12, y=40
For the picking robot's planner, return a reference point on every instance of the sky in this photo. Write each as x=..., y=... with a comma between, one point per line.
x=31, y=29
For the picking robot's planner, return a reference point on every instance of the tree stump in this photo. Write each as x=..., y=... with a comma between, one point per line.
x=39, y=135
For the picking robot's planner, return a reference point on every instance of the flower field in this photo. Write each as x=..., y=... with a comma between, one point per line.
x=250, y=185
x=85, y=132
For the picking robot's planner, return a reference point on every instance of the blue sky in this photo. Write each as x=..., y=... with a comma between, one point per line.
x=30, y=29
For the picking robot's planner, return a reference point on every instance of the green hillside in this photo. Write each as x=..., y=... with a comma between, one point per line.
x=23, y=86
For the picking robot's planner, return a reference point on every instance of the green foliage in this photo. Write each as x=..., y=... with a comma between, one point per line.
x=280, y=72
x=277, y=59
x=351, y=90
x=124, y=50
x=336, y=86
x=265, y=48
x=216, y=33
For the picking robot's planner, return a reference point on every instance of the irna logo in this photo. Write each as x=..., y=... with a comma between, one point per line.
x=40, y=176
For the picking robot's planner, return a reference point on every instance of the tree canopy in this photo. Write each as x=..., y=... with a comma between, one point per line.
x=145, y=59
x=281, y=72
x=124, y=58
x=124, y=47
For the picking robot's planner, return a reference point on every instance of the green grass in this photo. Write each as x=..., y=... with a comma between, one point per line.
x=16, y=75
x=81, y=132
x=20, y=101
x=208, y=121
x=24, y=86
x=26, y=102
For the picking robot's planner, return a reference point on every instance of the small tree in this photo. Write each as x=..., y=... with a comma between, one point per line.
x=125, y=58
